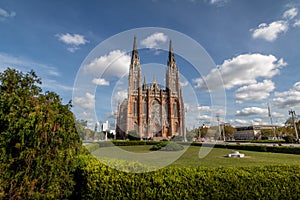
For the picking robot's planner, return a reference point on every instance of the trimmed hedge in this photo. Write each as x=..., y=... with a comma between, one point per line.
x=96, y=180
x=259, y=148
x=167, y=146
x=263, y=148
x=258, y=141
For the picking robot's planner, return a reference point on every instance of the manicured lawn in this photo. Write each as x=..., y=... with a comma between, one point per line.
x=215, y=158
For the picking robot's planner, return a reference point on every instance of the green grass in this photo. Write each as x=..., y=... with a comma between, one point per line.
x=215, y=158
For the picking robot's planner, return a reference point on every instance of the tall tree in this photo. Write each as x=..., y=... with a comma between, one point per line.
x=38, y=139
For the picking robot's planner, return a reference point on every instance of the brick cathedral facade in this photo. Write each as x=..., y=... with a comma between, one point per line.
x=150, y=109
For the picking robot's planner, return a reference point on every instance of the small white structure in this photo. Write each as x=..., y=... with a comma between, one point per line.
x=105, y=126
x=235, y=154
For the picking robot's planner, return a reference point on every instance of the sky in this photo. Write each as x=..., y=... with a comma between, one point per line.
x=235, y=57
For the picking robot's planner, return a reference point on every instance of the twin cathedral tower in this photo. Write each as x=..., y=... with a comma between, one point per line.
x=150, y=109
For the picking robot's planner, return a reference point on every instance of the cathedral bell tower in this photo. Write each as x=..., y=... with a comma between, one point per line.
x=134, y=91
x=175, y=100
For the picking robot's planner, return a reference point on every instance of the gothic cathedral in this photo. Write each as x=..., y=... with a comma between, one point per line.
x=151, y=110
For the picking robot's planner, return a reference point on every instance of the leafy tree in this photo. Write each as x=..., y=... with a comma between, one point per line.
x=38, y=139
x=80, y=127
x=202, y=131
x=229, y=131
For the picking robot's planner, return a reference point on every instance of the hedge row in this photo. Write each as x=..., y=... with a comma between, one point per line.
x=258, y=141
x=96, y=180
x=259, y=148
x=263, y=148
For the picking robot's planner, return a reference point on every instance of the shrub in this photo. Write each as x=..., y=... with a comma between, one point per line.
x=38, y=140
x=158, y=146
x=95, y=180
x=289, y=139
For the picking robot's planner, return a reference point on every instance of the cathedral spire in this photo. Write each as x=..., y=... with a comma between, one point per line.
x=135, y=60
x=171, y=59
x=134, y=44
x=144, y=84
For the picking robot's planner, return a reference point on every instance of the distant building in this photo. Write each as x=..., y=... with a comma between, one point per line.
x=250, y=132
x=105, y=126
x=150, y=109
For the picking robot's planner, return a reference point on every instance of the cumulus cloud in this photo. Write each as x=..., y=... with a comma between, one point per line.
x=6, y=14
x=204, y=118
x=218, y=2
x=100, y=82
x=256, y=91
x=154, y=40
x=288, y=99
x=115, y=63
x=251, y=111
x=204, y=108
x=270, y=31
x=297, y=23
x=241, y=70
x=74, y=40
x=239, y=122
x=119, y=96
x=86, y=102
x=46, y=72
x=290, y=14
x=184, y=84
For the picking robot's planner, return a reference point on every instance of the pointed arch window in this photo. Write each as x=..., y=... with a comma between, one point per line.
x=145, y=108
x=135, y=108
x=175, y=109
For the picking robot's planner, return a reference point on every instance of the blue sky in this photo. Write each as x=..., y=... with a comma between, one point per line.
x=254, y=44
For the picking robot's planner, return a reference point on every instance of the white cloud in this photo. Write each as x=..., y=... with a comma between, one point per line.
x=74, y=40
x=255, y=91
x=239, y=122
x=153, y=40
x=288, y=99
x=204, y=109
x=115, y=63
x=86, y=102
x=119, y=96
x=270, y=31
x=277, y=115
x=297, y=86
x=218, y=2
x=183, y=84
x=54, y=85
x=297, y=23
x=6, y=14
x=100, y=81
x=25, y=64
x=241, y=70
x=251, y=111
x=72, y=49
x=290, y=14
x=204, y=118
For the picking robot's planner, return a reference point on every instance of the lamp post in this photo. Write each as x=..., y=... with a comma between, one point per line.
x=293, y=113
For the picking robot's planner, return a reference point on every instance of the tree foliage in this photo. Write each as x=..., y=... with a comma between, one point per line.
x=38, y=139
